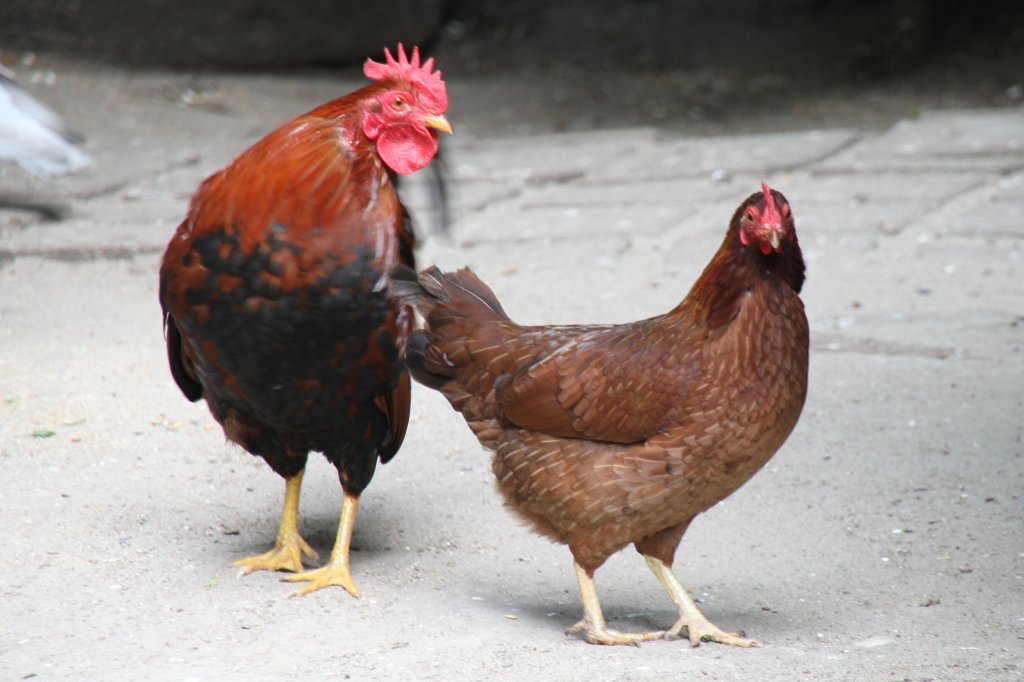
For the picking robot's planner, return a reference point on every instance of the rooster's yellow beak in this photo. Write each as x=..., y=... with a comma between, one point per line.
x=438, y=122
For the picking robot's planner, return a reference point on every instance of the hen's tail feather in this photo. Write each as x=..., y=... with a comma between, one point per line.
x=438, y=180
x=433, y=287
x=406, y=286
x=465, y=285
x=416, y=361
x=451, y=304
x=440, y=197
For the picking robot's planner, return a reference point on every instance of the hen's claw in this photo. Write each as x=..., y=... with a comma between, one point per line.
x=602, y=634
x=705, y=631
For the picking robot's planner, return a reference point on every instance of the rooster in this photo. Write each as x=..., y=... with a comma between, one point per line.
x=275, y=299
x=610, y=435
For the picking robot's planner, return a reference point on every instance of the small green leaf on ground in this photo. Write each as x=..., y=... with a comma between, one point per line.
x=43, y=433
x=211, y=583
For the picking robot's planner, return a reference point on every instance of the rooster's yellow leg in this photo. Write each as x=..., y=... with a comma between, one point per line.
x=698, y=628
x=593, y=625
x=336, y=571
x=289, y=546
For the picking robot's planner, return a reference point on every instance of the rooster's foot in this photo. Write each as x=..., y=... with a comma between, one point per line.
x=289, y=546
x=285, y=556
x=326, y=576
x=336, y=572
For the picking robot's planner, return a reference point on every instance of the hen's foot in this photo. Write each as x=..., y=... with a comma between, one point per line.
x=705, y=631
x=602, y=634
x=593, y=626
x=698, y=627
x=289, y=546
x=336, y=572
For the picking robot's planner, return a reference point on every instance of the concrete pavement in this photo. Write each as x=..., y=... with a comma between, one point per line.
x=884, y=542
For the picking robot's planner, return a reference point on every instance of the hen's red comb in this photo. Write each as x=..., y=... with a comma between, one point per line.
x=429, y=83
x=771, y=213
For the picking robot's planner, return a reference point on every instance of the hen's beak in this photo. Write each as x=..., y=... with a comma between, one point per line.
x=438, y=122
x=775, y=238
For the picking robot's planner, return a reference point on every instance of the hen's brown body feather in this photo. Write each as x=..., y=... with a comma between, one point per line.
x=608, y=435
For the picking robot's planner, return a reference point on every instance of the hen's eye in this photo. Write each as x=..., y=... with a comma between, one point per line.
x=398, y=102
x=749, y=217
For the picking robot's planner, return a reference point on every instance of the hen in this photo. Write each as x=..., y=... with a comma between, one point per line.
x=607, y=435
x=275, y=299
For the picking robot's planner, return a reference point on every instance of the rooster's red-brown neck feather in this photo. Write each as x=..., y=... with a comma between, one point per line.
x=306, y=174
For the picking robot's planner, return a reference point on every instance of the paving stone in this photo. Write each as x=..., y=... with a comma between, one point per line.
x=990, y=141
x=551, y=158
x=704, y=157
x=581, y=208
x=996, y=212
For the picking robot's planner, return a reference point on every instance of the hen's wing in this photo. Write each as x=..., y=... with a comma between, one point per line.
x=619, y=384
x=613, y=383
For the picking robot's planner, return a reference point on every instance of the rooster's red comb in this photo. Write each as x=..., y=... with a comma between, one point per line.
x=432, y=89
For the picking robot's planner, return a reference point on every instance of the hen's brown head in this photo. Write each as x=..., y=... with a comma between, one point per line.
x=404, y=115
x=765, y=220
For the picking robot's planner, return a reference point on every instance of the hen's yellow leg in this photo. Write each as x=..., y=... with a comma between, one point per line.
x=593, y=625
x=336, y=571
x=289, y=546
x=698, y=628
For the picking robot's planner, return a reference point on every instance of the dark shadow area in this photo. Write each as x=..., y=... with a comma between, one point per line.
x=838, y=38
x=742, y=65
x=701, y=66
